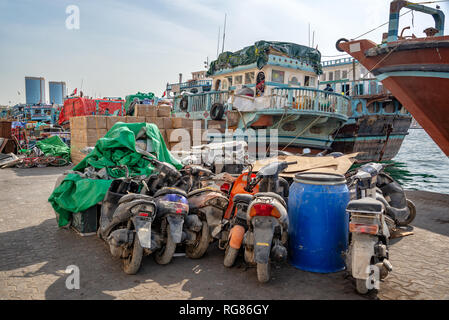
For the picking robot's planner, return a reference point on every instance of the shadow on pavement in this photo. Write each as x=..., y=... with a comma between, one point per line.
x=432, y=211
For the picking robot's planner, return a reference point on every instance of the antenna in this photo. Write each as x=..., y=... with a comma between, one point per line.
x=224, y=35
x=313, y=39
x=309, y=34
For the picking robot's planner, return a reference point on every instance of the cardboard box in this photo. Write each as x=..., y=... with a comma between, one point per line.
x=177, y=135
x=131, y=119
x=159, y=122
x=151, y=111
x=167, y=123
x=140, y=110
x=110, y=121
x=164, y=111
x=181, y=123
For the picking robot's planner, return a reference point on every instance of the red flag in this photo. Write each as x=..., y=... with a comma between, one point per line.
x=74, y=92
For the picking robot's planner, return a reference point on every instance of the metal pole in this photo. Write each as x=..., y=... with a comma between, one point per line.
x=224, y=35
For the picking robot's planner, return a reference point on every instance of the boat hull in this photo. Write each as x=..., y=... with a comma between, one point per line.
x=417, y=74
x=375, y=137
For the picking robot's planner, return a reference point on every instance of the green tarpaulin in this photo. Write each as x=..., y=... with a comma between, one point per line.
x=258, y=53
x=117, y=147
x=54, y=146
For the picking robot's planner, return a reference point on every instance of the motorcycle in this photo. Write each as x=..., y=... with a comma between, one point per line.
x=371, y=220
x=267, y=219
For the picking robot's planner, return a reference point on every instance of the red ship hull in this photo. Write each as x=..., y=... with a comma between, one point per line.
x=417, y=73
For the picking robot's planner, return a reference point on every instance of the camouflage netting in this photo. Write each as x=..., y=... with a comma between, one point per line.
x=258, y=53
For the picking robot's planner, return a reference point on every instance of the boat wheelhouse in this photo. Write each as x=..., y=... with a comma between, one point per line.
x=269, y=86
x=378, y=122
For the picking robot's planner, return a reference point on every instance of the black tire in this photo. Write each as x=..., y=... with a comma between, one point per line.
x=230, y=256
x=131, y=265
x=361, y=287
x=411, y=216
x=184, y=104
x=199, y=248
x=337, y=44
x=263, y=272
x=165, y=255
x=217, y=111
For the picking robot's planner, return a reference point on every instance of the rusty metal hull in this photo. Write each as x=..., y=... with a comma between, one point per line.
x=417, y=73
x=377, y=137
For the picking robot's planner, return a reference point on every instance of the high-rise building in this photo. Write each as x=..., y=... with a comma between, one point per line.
x=57, y=92
x=35, y=90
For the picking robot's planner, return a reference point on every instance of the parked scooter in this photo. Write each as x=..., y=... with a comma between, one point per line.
x=267, y=219
x=234, y=224
x=367, y=258
x=126, y=221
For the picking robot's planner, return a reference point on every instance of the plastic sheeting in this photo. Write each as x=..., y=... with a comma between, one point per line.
x=54, y=146
x=117, y=147
x=258, y=53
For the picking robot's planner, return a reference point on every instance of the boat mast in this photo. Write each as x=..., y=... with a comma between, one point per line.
x=218, y=43
x=224, y=35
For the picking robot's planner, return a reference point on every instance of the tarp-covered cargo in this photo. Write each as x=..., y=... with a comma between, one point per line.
x=118, y=147
x=54, y=146
x=78, y=106
x=258, y=53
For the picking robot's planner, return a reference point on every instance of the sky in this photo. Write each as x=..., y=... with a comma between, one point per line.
x=122, y=47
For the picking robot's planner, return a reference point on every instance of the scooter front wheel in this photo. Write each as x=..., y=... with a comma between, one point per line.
x=411, y=214
x=263, y=272
x=199, y=247
x=165, y=255
x=230, y=256
x=132, y=264
x=361, y=286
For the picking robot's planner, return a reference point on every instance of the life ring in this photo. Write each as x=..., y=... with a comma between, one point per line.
x=184, y=104
x=337, y=44
x=217, y=111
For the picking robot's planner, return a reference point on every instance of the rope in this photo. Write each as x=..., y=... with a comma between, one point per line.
x=305, y=129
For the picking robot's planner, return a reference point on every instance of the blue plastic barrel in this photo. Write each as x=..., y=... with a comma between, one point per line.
x=319, y=225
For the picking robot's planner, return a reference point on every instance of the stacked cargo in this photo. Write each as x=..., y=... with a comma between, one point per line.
x=85, y=131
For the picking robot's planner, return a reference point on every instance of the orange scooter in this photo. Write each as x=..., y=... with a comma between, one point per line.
x=234, y=225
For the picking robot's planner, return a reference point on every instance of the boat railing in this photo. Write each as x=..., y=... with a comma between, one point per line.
x=190, y=84
x=202, y=101
x=308, y=99
x=361, y=87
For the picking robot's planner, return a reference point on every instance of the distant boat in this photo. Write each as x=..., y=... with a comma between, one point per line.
x=269, y=85
x=378, y=122
x=415, y=70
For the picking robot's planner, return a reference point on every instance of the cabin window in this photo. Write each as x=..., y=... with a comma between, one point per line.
x=358, y=89
x=345, y=89
x=217, y=85
x=331, y=76
x=224, y=85
x=306, y=81
x=337, y=75
x=323, y=76
x=249, y=77
x=229, y=81
x=312, y=81
x=238, y=79
x=345, y=74
x=277, y=76
x=260, y=86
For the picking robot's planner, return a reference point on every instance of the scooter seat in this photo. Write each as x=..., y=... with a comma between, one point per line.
x=272, y=195
x=134, y=196
x=365, y=205
x=242, y=197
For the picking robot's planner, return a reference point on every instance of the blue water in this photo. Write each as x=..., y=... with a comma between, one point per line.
x=420, y=164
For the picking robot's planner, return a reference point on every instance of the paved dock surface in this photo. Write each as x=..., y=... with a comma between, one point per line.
x=34, y=254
